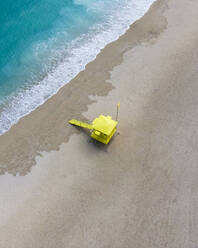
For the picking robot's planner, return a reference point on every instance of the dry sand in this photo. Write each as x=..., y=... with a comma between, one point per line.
x=142, y=190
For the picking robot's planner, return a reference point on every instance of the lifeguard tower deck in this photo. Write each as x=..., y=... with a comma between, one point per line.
x=103, y=128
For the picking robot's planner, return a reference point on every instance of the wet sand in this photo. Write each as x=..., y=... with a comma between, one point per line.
x=141, y=190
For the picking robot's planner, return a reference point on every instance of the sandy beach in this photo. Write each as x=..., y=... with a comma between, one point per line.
x=58, y=189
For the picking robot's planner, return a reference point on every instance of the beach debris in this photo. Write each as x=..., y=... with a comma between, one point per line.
x=103, y=127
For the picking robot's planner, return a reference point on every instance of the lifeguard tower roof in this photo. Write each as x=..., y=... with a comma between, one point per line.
x=104, y=124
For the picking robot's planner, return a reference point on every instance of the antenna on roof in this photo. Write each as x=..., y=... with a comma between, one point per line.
x=118, y=107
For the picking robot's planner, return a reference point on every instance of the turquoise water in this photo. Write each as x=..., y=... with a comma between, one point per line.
x=30, y=32
x=45, y=43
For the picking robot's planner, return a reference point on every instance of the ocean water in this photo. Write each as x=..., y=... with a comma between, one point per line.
x=45, y=43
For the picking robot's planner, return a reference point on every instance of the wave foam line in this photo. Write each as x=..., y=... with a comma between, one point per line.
x=80, y=52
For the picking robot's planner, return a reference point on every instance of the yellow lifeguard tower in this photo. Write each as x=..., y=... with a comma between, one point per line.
x=103, y=127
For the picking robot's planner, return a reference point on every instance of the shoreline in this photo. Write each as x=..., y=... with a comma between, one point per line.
x=142, y=189
x=13, y=109
x=42, y=136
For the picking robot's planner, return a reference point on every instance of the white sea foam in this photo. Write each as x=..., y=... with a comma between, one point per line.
x=79, y=53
